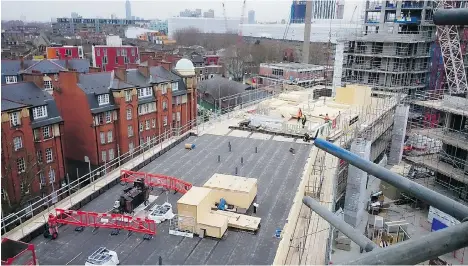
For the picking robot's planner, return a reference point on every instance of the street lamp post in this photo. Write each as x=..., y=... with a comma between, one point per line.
x=91, y=177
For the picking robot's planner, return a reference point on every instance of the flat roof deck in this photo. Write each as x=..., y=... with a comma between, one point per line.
x=277, y=170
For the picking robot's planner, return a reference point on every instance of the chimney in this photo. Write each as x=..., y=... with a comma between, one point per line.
x=153, y=62
x=21, y=62
x=121, y=74
x=166, y=65
x=34, y=77
x=144, y=56
x=144, y=70
x=94, y=69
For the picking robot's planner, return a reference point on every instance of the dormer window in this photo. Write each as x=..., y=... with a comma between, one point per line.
x=40, y=112
x=175, y=86
x=103, y=99
x=11, y=79
x=47, y=83
x=145, y=92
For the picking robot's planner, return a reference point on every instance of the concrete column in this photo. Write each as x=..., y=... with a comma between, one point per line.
x=398, y=134
x=338, y=72
x=356, y=196
x=307, y=28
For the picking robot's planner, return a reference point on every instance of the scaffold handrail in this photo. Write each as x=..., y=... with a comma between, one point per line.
x=156, y=180
x=106, y=220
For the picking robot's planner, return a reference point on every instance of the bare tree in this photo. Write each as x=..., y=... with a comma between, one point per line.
x=31, y=167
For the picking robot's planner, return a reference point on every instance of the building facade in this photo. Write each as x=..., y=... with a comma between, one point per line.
x=114, y=55
x=112, y=113
x=64, y=52
x=74, y=26
x=291, y=73
x=394, y=52
x=33, y=163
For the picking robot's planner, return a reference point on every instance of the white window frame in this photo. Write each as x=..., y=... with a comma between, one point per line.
x=104, y=156
x=42, y=179
x=39, y=156
x=153, y=123
x=110, y=137
x=175, y=86
x=22, y=189
x=108, y=117
x=18, y=142
x=11, y=79
x=103, y=137
x=111, y=154
x=147, y=124
x=133, y=51
x=178, y=116
x=145, y=92
x=165, y=120
x=51, y=175
x=129, y=113
x=128, y=95
x=15, y=119
x=4, y=194
x=148, y=140
x=103, y=99
x=141, y=127
x=49, y=155
x=130, y=131
x=147, y=108
x=164, y=105
x=163, y=89
x=46, y=132
x=48, y=85
x=98, y=52
x=177, y=100
x=40, y=112
x=21, y=165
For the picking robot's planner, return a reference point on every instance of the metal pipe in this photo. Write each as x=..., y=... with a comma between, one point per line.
x=417, y=250
x=439, y=201
x=341, y=225
x=452, y=16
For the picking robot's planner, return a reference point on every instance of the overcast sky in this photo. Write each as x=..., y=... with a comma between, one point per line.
x=265, y=10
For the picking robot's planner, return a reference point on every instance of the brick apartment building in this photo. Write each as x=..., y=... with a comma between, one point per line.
x=114, y=55
x=111, y=113
x=32, y=144
x=64, y=52
x=14, y=71
x=294, y=73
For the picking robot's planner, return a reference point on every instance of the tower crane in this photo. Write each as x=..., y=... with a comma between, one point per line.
x=225, y=17
x=239, y=38
x=451, y=51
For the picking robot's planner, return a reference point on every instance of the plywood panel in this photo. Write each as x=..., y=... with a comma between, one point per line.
x=241, y=221
x=236, y=190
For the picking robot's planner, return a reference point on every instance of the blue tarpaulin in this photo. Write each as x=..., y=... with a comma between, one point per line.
x=437, y=225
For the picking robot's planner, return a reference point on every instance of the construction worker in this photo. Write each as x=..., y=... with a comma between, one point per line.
x=53, y=226
x=304, y=120
x=299, y=115
x=327, y=118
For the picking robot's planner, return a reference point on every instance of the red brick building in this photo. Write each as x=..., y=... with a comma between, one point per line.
x=64, y=52
x=109, y=58
x=111, y=113
x=32, y=144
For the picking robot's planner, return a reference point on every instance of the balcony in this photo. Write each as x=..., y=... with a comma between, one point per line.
x=408, y=20
x=412, y=5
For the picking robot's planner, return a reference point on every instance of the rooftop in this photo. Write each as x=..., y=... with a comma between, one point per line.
x=294, y=66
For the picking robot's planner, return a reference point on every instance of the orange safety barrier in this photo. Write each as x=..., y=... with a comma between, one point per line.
x=156, y=180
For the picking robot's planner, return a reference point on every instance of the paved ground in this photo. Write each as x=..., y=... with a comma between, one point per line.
x=277, y=170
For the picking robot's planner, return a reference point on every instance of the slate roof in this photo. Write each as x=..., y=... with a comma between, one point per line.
x=24, y=94
x=46, y=66
x=219, y=87
x=94, y=84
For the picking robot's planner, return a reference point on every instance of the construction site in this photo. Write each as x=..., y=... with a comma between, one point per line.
x=372, y=169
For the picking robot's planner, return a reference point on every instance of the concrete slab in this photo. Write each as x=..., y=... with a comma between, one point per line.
x=278, y=173
x=281, y=138
x=260, y=136
x=239, y=133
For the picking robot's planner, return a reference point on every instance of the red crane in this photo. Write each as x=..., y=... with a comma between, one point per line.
x=239, y=38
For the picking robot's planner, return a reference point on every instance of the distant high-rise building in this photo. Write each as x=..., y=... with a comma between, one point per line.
x=193, y=13
x=113, y=16
x=128, y=10
x=208, y=14
x=23, y=18
x=75, y=15
x=323, y=9
x=251, y=17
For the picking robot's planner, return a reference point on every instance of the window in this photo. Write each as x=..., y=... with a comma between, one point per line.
x=18, y=143
x=48, y=84
x=148, y=139
x=109, y=136
x=104, y=156
x=46, y=132
x=141, y=126
x=164, y=105
x=173, y=117
x=103, y=138
x=129, y=113
x=108, y=117
x=98, y=52
x=48, y=155
x=105, y=51
x=130, y=146
x=14, y=119
x=116, y=60
x=4, y=194
x=133, y=52
x=165, y=121
x=128, y=96
x=24, y=188
x=124, y=52
x=177, y=100
x=147, y=122
x=175, y=86
x=103, y=99
x=68, y=52
x=51, y=175
x=39, y=156
x=42, y=180
x=153, y=122
x=20, y=164
x=130, y=131
x=126, y=61
x=118, y=52
x=40, y=112
x=164, y=90
x=142, y=141
x=99, y=119
x=115, y=115
x=57, y=53
x=184, y=98
x=145, y=92
x=11, y=79
x=178, y=116
x=146, y=108
x=277, y=72
x=111, y=154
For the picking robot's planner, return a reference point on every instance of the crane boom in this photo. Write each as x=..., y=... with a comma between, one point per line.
x=239, y=39
x=225, y=17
